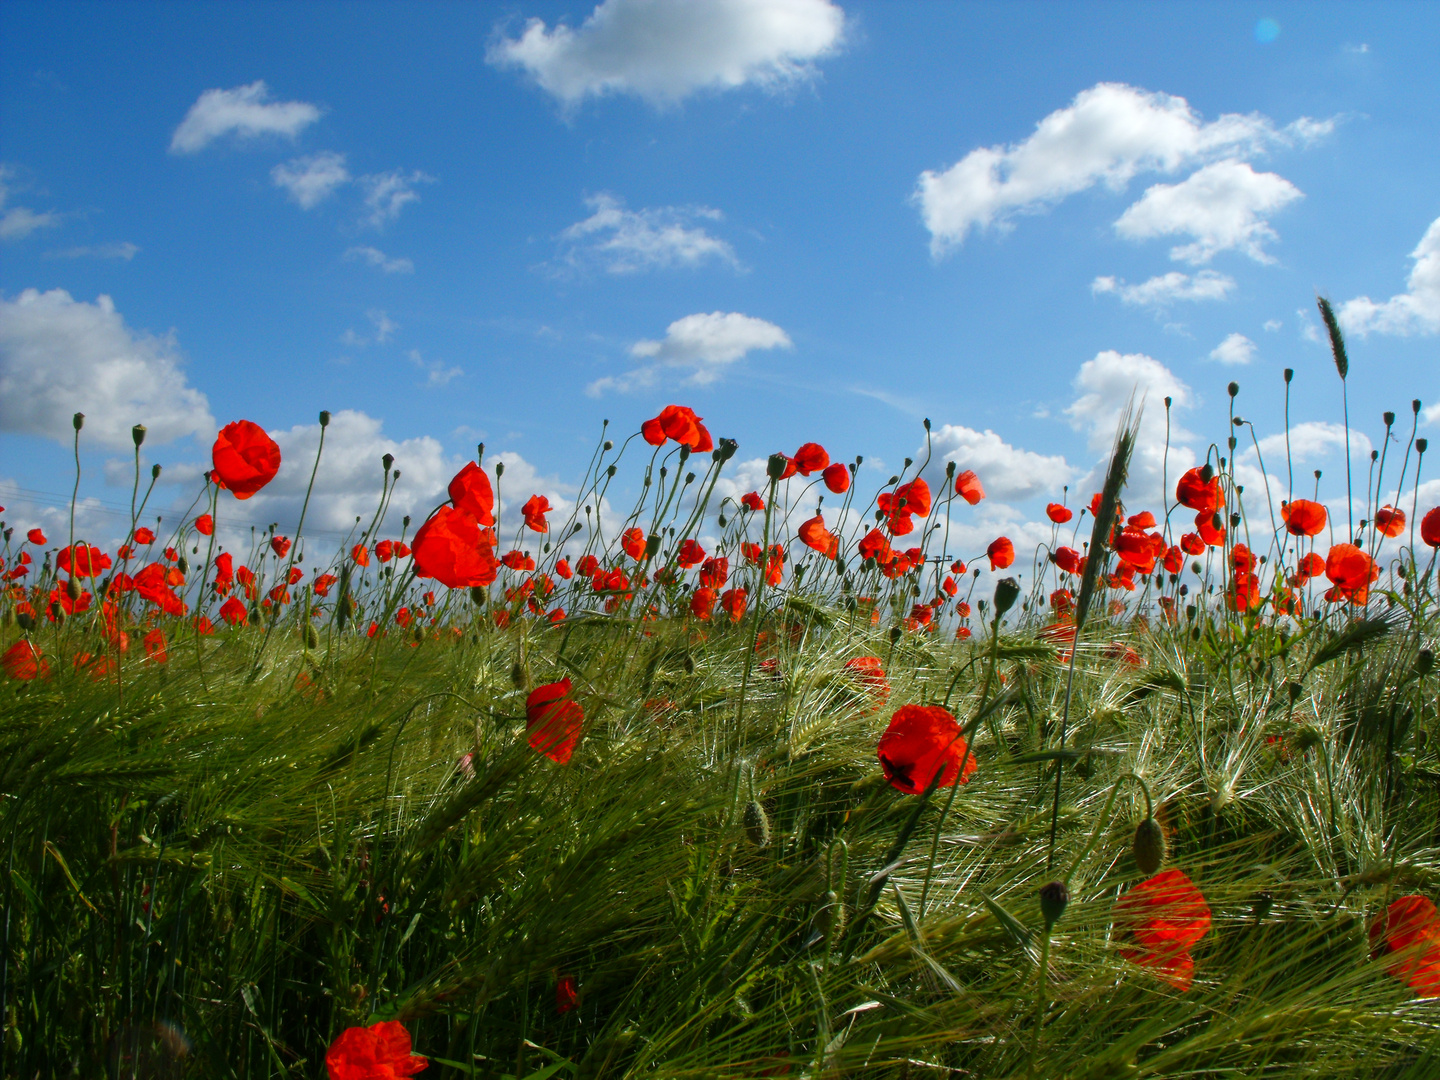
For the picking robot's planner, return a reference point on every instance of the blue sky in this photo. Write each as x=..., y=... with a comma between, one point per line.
x=807, y=220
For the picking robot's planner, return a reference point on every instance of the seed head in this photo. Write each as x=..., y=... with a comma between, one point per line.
x=324, y=418
x=1007, y=591
x=1053, y=899
x=386, y=460
x=757, y=825
x=78, y=420
x=137, y=435
x=1149, y=846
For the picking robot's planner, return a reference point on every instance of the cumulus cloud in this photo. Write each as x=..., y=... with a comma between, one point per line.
x=1007, y=472
x=1223, y=206
x=1103, y=386
x=123, y=250
x=1414, y=312
x=311, y=179
x=386, y=194
x=18, y=222
x=59, y=356
x=1109, y=134
x=626, y=241
x=371, y=256
x=705, y=344
x=1315, y=440
x=247, y=112
x=1162, y=291
x=1235, y=349
x=664, y=50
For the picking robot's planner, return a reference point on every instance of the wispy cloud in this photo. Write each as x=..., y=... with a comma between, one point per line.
x=124, y=251
x=312, y=179
x=386, y=194
x=626, y=241
x=247, y=112
x=375, y=257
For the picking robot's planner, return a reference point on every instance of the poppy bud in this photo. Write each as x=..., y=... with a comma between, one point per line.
x=950, y=470
x=722, y=521
x=652, y=547
x=839, y=565
x=608, y=446
x=775, y=467
x=1234, y=388
x=517, y=675
x=1421, y=445
x=684, y=453
x=419, y=633
x=611, y=471
x=1053, y=898
x=726, y=449
x=312, y=639
x=25, y=620
x=137, y=435
x=154, y=472
x=1207, y=472
x=757, y=824
x=1168, y=401
x=1295, y=690
x=689, y=665
x=477, y=594
x=1150, y=848
x=895, y=633
x=1234, y=520
x=78, y=420
x=72, y=589
x=386, y=460
x=1424, y=662
x=1007, y=591
x=829, y=921
x=183, y=564
x=324, y=418
x=689, y=478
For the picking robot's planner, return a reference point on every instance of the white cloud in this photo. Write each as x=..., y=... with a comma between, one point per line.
x=436, y=373
x=1235, y=349
x=1271, y=325
x=246, y=112
x=705, y=344
x=1413, y=312
x=18, y=222
x=1006, y=472
x=385, y=328
x=1104, y=385
x=1108, y=134
x=1316, y=440
x=59, y=356
x=665, y=50
x=311, y=179
x=1430, y=414
x=386, y=194
x=123, y=250
x=375, y=257
x=1160, y=292
x=1223, y=206
x=625, y=241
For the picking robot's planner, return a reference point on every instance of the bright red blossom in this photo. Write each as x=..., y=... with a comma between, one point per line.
x=1194, y=491
x=968, y=487
x=450, y=548
x=921, y=742
x=1057, y=513
x=1389, y=521
x=470, y=491
x=1351, y=571
x=144, y=535
x=205, y=525
x=811, y=457
x=24, y=661
x=1303, y=517
x=1409, y=930
x=245, y=459
x=553, y=721
x=680, y=423
x=752, y=501
x=36, y=537
x=837, y=478
x=378, y=1052
x=1430, y=527
x=633, y=541
x=534, y=510
x=1162, y=919
x=1001, y=552
x=813, y=534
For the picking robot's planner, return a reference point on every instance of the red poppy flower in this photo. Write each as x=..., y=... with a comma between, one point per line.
x=360, y=554
x=714, y=572
x=1162, y=918
x=811, y=457
x=1430, y=527
x=813, y=534
x=1351, y=571
x=171, y=555
x=1242, y=559
x=378, y=1052
x=691, y=554
x=911, y=498
x=245, y=458
x=280, y=545
x=732, y=602
x=588, y=565
x=155, y=646
x=1143, y=520
x=1001, y=552
x=516, y=559
x=1067, y=559
x=36, y=537
x=870, y=673
x=1138, y=548
x=1389, y=521
x=322, y=584
x=1303, y=517
x=470, y=491
x=1193, y=491
x=449, y=548
x=563, y=569
x=1410, y=926
x=246, y=577
x=144, y=535
x=1244, y=593
x=1211, y=528
x=968, y=487
x=553, y=721
x=205, y=525
x=1174, y=560
x=400, y=550
x=80, y=560
x=1191, y=544
x=233, y=612
x=1063, y=601
x=752, y=501
x=125, y=551
x=153, y=583
x=837, y=478
x=949, y=586
x=1058, y=513
x=24, y=661
x=384, y=551
x=535, y=509
x=702, y=603
x=1311, y=566
x=1095, y=501
x=923, y=740
x=633, y=541
x=874, y=545
x=566, y=997
x=680, y=423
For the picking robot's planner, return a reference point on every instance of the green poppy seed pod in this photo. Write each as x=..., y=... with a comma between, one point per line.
x=1421, y=445
x=829, y=920
x=895, y=633
x=722, y=521
x=1168, y=401
x=324, y=417
x=689, y=478
x=312, y=639
x=1388, y=417
x=517, y=675
x=1295, y=690
x=477, y=594
x=1150, y=847
x=949, y=470
x=1207, y=472
x=419, y=634
x=607, y=446
x=1234, y=521
x=1233, y=388
x=909, y=462
x=154, y=472
x=1007, y=591
x=184, y=564
x=839, y=565
x=137, y=435
x=684, y=454
x=652, y=546
x=405, y=521
x=689, y=665
x=25, y=620
x=72, y=589
x=1424, y=662
x=1053, y=899
x=1289, y=374
x=727, y=449
x=78, y=420
x=757, y=824
x=611, y=471
x=927, y=423
x=386, y=460
x=775, y=467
